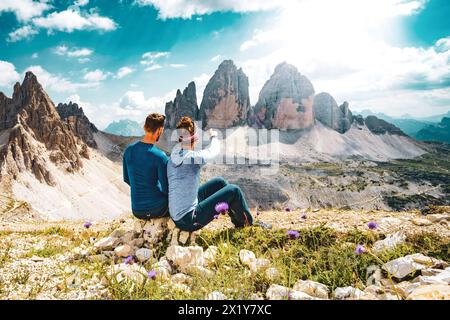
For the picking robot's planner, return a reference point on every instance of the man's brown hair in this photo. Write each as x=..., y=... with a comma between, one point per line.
x=154, y=121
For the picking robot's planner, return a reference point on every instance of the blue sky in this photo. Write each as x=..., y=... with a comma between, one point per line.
x=123, y=59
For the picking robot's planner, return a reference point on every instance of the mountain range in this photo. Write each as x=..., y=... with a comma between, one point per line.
x=58, y=162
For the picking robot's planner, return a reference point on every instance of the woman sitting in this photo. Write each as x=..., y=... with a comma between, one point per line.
x=192, y=206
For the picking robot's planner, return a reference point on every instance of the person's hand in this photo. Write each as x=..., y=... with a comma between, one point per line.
x=212, y=133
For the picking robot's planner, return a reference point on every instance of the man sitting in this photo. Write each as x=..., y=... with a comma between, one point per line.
x=144, y=170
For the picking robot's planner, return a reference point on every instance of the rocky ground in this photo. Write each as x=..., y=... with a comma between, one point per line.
x=326, y=254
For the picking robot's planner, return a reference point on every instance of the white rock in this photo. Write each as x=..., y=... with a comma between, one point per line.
x=163, y=269
x=443, y=277
x=348, y=293
x=436, y=218
x=277, y=292
x=421, y=222
x=199, y=271
x=389, y=243
x=132, y=272
x=144, y=254
x=272, y=274
x=431, y=292
x=210, y=255
x=401, y=267
x=247, y=257
x=107, y=243
x=185, y=257
x=298, y=295
x=216, y=295
x=124, y=251
x=386, y=224
x=259, y=265
x=181, y=278
x=312, y=288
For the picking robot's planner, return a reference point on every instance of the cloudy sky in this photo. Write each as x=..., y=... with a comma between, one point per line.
x=123, y=59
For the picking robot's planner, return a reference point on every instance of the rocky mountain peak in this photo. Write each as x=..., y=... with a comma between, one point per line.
x=285, y=101
x=34, y=133
x=226, y=100
x=327, y=111
x=184, y=104
x=74, y=116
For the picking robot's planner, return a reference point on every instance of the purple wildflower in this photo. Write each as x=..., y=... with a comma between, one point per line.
x=128, y=260
x=359, y=250
x=152, y=274
x=87, y=225
x=222, y=207
x=372, y=225
x=292, y=234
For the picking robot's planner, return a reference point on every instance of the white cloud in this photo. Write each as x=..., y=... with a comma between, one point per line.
x=177, y=65
x=8, y=74
x=344, y=52
x=24, y=9
x=150, y=58
x=123, y=72
x=72, y=52
x=55, y=82
x=216, y=58
x=135, y=103
x=81, y=3
x=186, y=9
x=21, y=33
x=35, y=55
x=95, y=76
x=71, y=20
x=153, y=67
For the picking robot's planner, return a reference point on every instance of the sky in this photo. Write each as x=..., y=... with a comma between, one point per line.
x=124, y=59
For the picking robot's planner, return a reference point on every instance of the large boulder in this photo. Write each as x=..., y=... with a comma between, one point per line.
x=226, y=100
x=285, y=101
x=184, y=104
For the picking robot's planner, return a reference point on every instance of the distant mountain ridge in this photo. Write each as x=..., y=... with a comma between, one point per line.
x=125, y=127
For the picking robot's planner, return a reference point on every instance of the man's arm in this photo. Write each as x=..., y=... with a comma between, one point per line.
x=162, y=176
x=126, y=179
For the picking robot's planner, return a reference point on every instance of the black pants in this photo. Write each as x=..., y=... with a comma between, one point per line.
x=211, y=193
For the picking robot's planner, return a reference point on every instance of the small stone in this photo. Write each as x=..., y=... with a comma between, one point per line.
x=312, y=288
x=431, y=292
x=181, y=278
x=124, y=271
x=389, y=243
x=437, y=218
x=144, y=254
x=98, y=258
x=199, y=271
x=277, y=292
x=256, y=296
x=36, y=259
x=210, y=255
x=348, y=293
x=107, y=243
x=421, y=222
x=124, y=251
x=272, y=274
x=247, y=257
x=183, y=237
x=259, y=265
x=216, y=295
x=185, y=257
x=137, y=243
x=404, y=266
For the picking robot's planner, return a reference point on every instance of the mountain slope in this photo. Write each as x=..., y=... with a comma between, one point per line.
x=45, y=162
x=436, y=132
